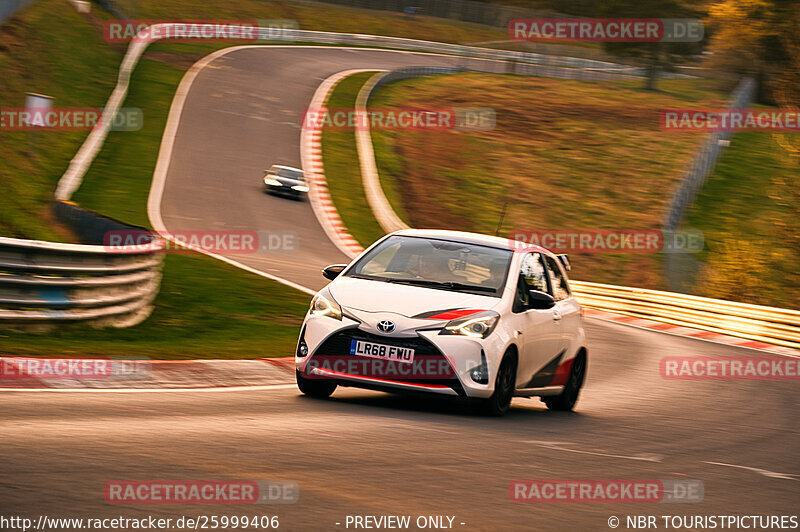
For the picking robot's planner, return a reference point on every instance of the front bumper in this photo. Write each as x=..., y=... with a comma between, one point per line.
x=442, y=363
x=284, y=191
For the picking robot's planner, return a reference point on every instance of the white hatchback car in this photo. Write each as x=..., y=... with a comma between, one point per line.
x=450, y=313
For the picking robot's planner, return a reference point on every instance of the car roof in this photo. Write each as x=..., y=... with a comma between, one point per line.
x=474, y=238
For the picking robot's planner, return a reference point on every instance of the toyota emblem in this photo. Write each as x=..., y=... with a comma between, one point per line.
x=386, y=326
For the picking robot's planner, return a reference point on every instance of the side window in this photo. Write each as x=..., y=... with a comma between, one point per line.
x=557, y=279
x=532, y=276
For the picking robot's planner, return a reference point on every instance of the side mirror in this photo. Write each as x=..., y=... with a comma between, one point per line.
x=332, y=272
x=540, y=301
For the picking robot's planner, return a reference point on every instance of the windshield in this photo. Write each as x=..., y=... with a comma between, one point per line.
x=440, y=264
x=290, y=173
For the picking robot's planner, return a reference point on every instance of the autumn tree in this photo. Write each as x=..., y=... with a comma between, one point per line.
x=657, y=57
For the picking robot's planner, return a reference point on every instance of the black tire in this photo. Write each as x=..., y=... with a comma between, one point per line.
x=500, y=401
x=314, y=387
x=572, y=389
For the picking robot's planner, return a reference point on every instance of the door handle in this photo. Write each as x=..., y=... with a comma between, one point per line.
x=556, y=315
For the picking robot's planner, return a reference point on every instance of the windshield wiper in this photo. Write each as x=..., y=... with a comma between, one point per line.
x=445, y=284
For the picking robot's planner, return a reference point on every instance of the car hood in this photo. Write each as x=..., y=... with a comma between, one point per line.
x=410, y=301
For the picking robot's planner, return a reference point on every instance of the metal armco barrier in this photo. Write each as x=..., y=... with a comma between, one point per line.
x=556, y=62
x=45, y=283
x=71, y=180
x=464, y=10
x=753, y=322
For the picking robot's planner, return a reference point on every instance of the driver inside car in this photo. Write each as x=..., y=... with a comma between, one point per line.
x=497, y=274
x=434, y=268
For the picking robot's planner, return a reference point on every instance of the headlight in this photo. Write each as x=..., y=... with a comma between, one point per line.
x=300, y=188
x=478, y=325
x=272, y=182
x=323, y=304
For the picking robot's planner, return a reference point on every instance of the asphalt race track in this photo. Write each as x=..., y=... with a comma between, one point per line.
x=365, y=453
x=242, y=115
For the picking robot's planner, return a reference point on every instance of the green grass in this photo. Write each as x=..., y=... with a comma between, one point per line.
x=390, y=164
x=563, y=155
x=749, y=213
x=48, y=49
x=342, y=169
x=206, y=309
x=118, y=182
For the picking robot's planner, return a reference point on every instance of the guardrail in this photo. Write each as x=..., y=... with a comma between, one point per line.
x=45, y=283
x=753, y=322
x=464, y=10
x=401, y=43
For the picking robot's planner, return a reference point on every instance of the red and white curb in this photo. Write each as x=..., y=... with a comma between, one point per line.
x=311, y=156
x=699, y=334
x=150, y=375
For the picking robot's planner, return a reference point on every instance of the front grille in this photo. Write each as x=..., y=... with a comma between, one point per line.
x=430, y=365
x=339, y=343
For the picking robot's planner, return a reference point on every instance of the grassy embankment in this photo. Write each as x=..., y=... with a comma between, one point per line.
x=749, y=212
x=563, y=155
x=577, y=155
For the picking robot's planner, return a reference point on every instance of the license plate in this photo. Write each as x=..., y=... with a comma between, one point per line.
x=384, y=352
